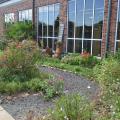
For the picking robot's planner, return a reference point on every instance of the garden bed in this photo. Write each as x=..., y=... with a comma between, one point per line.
x=18, y=106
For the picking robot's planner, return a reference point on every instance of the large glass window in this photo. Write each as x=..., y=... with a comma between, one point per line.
x=25, y=15
x=9, y=18
x=117, y=43
x=85, y=23
x=48, y=24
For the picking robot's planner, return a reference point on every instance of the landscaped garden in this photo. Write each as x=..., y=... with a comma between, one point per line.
x=83, y=86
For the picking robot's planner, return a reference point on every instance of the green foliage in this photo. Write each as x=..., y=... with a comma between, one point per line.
x=85, y=60
x=108, y=75
x=18, y=62
x=33, y=85
x=108, y=71
x=3, y=43
x=1, y=52
x=71, y=107
x=72, y=59
x=20, y=31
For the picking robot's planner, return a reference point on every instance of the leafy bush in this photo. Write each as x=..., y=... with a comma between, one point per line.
x=20, y=31
x=18, y=61
x=71, y=107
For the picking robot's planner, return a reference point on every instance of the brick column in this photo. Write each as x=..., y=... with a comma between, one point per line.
x=113, y=25
x=104, y=32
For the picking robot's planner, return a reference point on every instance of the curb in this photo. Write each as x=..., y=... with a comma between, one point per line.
x=4, y=115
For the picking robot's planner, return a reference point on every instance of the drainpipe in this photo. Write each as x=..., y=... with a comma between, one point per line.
x=33, y=15
x=108, y=27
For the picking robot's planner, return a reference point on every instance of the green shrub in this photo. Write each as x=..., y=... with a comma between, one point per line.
x=72, y=59
x=108, y=71
x=108, y=75
x=85, y=60
x=18, y=62
x=20, y=31
x=71, y=107
x=3, y=43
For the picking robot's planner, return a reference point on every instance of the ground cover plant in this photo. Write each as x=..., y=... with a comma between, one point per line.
x=108, y=76
x=68, y=107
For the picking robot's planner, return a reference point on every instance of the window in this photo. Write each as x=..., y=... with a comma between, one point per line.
x=9, y=18
x=25, y=15
x=85, y=23
x=117, y=42
x=48, y=24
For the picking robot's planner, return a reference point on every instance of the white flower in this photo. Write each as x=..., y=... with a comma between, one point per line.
x=43, y=117
x=52, y=112
x=113, y=113
x=61, y=109
x=66, y=117
x=88, y=87
x=111, y=106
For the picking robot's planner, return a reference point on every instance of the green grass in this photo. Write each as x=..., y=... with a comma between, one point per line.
x=77, y=69
x=1, y=52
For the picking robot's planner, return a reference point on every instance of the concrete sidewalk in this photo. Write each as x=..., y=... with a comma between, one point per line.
x=4, y=115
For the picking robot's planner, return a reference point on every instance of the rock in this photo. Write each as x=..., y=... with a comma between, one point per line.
x=9, y=98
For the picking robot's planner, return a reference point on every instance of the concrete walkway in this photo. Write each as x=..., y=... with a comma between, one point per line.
x=4, y=115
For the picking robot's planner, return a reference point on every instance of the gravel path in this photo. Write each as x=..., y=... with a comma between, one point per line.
x=20, y=105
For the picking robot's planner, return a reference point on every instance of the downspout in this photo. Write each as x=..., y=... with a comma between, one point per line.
x=108, y=27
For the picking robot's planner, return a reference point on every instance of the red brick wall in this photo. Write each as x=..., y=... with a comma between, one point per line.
x=111, y=42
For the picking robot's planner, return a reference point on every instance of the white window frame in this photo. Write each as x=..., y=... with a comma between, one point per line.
x=74, y=38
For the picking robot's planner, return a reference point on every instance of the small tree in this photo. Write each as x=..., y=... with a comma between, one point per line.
x=20, y=31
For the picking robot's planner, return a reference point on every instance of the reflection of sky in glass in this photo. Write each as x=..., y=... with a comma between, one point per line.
x=99, y=4
x=51, y=14
x=88, y=18
x=71, y=6
x=98, y=16
x=79, y=19
x=88, y=4
x=80, y=5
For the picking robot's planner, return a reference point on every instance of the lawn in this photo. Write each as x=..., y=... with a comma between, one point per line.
x=1, y=52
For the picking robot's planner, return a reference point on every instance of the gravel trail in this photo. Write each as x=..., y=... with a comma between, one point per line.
x=20, y=105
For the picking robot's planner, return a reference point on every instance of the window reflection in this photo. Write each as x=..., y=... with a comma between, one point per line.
x=85, y=22
x=48, y=24
x=118, y=28
x=88, y=24
x=97, y=48
x=87, y=46
x=25, y=15
x=78, y=46
x=70, y=45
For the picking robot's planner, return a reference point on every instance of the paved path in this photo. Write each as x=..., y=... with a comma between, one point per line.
x=20, y=106
x=5, y=115
x=74, y=83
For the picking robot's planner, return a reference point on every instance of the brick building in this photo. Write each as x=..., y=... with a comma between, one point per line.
x=92, y=25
